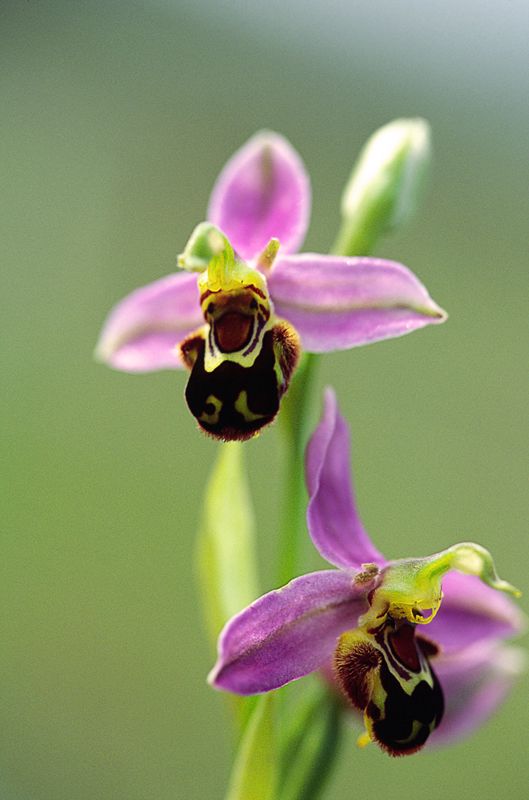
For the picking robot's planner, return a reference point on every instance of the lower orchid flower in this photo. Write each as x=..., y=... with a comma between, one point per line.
x=369, y=616
x=238, y=326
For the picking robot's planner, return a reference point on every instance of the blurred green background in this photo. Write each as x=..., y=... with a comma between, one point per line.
x=116, y=118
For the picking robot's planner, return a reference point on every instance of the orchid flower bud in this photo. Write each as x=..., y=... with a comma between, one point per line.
x=383, y=190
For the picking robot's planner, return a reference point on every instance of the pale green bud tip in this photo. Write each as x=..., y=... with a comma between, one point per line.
x=388, y=176
x=205, y=243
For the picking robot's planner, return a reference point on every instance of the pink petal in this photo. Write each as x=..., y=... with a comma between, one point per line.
x=262, y=192
x=475, y=682
x=333, y=521
x=142, y=331
x=472, y=612
x=336, y=303
x=286, y=633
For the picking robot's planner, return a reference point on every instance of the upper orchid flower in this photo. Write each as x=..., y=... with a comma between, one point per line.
x=368, y=617
x=238, y=326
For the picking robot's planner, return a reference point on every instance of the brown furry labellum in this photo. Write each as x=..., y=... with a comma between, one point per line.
x=235, y=401
x=387, y=675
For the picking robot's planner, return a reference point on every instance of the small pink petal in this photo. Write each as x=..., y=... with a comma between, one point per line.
x=262, y=192
x=143, y=330
x=333, y=521
x=475, y=682
x=336, y=303
x=286, y=633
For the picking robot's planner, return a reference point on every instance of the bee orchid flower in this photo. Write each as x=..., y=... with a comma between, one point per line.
x=238, y=325
x=369, y=616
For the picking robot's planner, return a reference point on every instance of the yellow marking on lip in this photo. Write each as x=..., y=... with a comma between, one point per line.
x=213, y=418
x=241, y=405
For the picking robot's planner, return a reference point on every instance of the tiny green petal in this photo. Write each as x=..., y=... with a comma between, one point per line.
x=205, y=243
x=265, y=260
x=209, y=251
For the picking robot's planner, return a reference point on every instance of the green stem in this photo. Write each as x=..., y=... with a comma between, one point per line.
x=310, y=749
x=318, y=747
x=323, y=761
x=357, y=237
x=295, y=418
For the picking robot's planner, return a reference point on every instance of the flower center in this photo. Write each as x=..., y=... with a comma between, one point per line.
x=242, y=359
